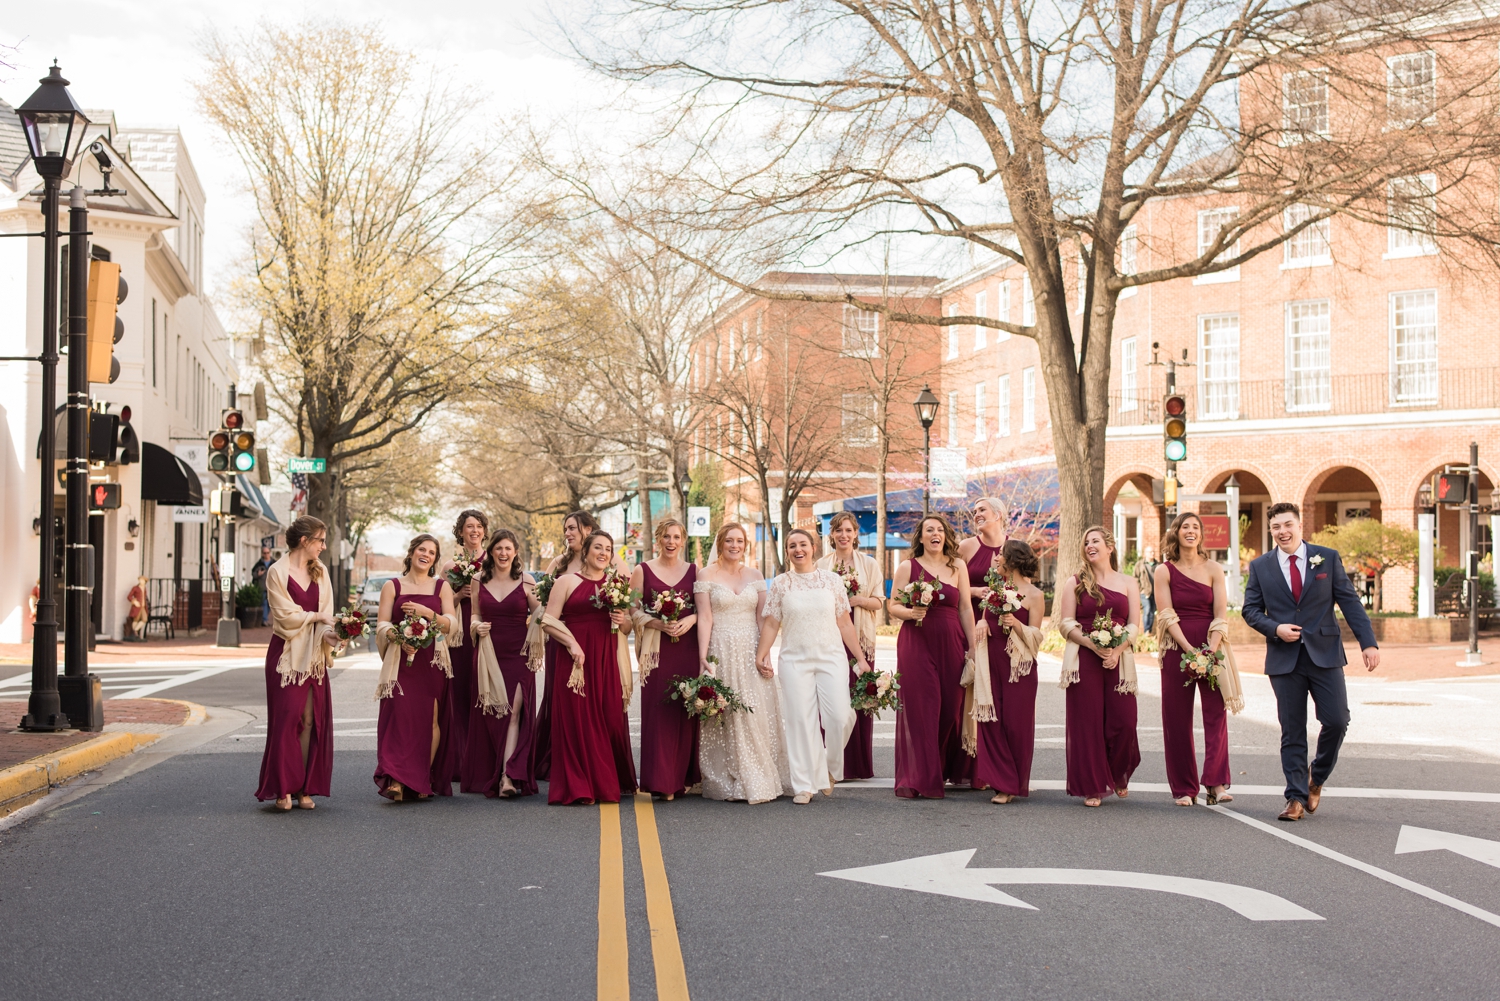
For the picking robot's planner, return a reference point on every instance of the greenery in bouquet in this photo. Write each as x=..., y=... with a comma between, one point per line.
x=917, y=594
x=706, y=697
x=873, y=691
x=1200, y=663
x=614, y=594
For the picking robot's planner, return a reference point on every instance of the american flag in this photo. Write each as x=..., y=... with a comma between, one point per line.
x=299, y=492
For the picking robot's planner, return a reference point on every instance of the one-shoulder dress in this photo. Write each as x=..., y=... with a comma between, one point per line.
x=591, y=758
x=929, y=724
x=1194, y=604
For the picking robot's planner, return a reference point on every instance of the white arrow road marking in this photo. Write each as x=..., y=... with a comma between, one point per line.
x=1420, y=839
x=948, y=874
x=1365, y=867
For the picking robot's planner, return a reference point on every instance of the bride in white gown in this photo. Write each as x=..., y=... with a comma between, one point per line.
x=743, y=757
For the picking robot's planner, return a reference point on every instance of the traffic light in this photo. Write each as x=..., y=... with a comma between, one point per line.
x=104, y=433
x=106, y=291
x=232, y=419
x=104, y=496
x=1452, y=488
x=219, y=444
x=1174, y=427
x=242, y=457
x=126, y=440
x=1169, y=491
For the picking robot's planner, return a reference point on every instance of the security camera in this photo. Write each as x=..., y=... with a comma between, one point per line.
x=105, y=163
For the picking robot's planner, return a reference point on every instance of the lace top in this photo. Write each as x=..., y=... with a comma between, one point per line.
x=818, y=580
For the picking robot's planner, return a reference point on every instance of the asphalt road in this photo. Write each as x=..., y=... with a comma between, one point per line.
x=172, y=883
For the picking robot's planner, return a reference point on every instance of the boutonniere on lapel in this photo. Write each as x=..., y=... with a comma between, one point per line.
x=1315, y=561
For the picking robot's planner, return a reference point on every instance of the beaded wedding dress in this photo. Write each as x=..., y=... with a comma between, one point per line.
x=741, y=758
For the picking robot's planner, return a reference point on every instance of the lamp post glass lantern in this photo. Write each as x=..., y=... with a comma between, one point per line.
x=54, y=125
x=926, y=405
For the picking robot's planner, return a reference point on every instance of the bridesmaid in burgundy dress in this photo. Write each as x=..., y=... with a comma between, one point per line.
x=299, y=734
x=981, y=551
x=498, y=760
x=412, y=735
x=930, y=653
x=669, y=736
x=591, y=759
x=1191, y=586
x=1002, y=761
x=843, y=532
x=1102, y=748
x=469, y=532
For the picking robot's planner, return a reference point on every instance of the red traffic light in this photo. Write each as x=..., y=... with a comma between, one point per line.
x=125, y=414
x=104, y=496
x=218, y=440
x=233, y=420
x=1452, y=488
x=1175, y=405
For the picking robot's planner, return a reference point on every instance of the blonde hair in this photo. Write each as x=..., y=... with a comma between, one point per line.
x=1086, y=579
x=661, y=529
x=997, y=505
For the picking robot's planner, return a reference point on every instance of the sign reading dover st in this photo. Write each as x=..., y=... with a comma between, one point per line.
x=298, y=464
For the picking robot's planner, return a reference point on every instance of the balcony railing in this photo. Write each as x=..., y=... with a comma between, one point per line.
x=1375, y=393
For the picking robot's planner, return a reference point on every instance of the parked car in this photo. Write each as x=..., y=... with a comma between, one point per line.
x=369, y=601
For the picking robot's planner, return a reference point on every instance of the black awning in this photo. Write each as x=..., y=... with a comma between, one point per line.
x=166, y=479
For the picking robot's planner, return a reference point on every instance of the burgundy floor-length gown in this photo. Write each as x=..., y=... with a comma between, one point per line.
x=669, y=736
x=929, y=724
x=282, y=770
x=462, y=690
x=483, y=768
x=403, y=736
x=541, y=739
x=1102, y=748
x=591, y=757
x=1194, y=604
x=1006, y=745
x=859, y=753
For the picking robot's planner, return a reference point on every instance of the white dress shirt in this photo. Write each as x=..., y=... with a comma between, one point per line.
x=1283, y=559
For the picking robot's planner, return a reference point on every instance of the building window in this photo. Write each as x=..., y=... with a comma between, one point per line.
x=1002, y=308
x=1028, y=304
x=1304, y=105
x=981, y=302
x=1219, y=366
x=859, y=419
x=1002, y=403
x=979, y=428
x=1307, y=355
x=733, y=351
x=1411, y=207
x=952, y=419
x=1411, y=87
x=1127, y=374
x=1028, y=399
x=153, y=343
x=759, y=332
x=1414, y=371
x=953, y=333
x=861, y=332
x=1309, y=245
x=1212, y=222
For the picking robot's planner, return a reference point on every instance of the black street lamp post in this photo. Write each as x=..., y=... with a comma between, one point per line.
x=927, y=408
x=54, y=126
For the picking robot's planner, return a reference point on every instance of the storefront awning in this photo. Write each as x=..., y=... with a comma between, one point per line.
x=166, y=479
x=256, y=499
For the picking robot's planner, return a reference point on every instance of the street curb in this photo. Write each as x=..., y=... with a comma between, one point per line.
x=27, y=782
x=196, y=713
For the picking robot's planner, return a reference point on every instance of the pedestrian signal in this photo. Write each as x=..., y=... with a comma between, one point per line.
x=1452, y=488
x=1174, y=427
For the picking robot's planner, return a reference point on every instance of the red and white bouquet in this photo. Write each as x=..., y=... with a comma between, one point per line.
x=1201, y=663
x=850, y=577
x=464, y=570
x=1107, y=633
x=417, y=632
x=706, y=697
x=917, y=594
x=614, y=594
x=670, y=605
x=873, y=691
x=1003, y=598
x=350, y=624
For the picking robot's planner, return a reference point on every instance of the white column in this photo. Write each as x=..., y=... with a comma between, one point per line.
x=1494, y=536
x=1425, y=524
x=1232, y=503
x=1118, y=528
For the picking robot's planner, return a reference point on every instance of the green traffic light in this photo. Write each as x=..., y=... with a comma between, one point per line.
x=218, y=462
x=1176, y=450
x=244, y=462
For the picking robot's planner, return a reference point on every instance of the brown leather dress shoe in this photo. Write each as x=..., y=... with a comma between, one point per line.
x=1314, y=794
x=1293, y=811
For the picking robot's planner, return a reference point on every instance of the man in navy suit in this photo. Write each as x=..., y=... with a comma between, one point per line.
x=1290, y=597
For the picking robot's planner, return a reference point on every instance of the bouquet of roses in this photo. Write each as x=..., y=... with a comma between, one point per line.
x=1200, y=663
x=1003, y=597
x=350, y=624
x=464, y=570
x=873, y=691
x=706, y=697
x=670, y=605
x=1107, y=633
x=417, y=632
x=544, y=582
x=850, y=577
x=614, y=594
x=917, y=594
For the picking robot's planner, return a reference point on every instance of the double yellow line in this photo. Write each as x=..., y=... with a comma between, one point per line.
x=614, y=948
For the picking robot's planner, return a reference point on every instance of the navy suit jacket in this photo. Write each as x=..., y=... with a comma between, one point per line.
x=1268, y=604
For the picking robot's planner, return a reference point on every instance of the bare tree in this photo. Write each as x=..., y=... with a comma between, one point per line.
x=1037, y=132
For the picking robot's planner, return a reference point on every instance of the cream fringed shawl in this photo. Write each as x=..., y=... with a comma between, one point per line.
x=1021, y=644
x=871, y=585
x=305, y=653
x=1127, y=682
x=576, y=678
x=389, y=646
x=491, y=683
x=1226, y=674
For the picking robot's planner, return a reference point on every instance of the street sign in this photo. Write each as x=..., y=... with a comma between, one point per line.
x=189, y=514
x=698, y=521
x=949, y=474
x=299, y=464
x=1215, y=531
x=226, y=564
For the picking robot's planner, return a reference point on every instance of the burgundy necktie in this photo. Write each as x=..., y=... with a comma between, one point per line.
x=1296, y=580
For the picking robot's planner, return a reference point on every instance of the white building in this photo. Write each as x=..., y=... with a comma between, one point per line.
x=176, y=367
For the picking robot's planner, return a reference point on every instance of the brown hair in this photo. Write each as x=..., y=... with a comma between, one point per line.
x=588, y=543
x=950, y=539
x=1020, y=557
x=839, y=519
x=500, y=536
x=1283, y=507
x=301, y=530
x=463, y=519
x=587, y=524
x=412, y=549
x=816, y=545
x=1086, y=579
x=723, y=533
x=1171, y=545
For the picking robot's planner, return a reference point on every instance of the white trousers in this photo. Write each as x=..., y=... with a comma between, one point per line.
x=815, y=692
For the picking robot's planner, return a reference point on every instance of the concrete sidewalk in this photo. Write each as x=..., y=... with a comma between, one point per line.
x=253, y=643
